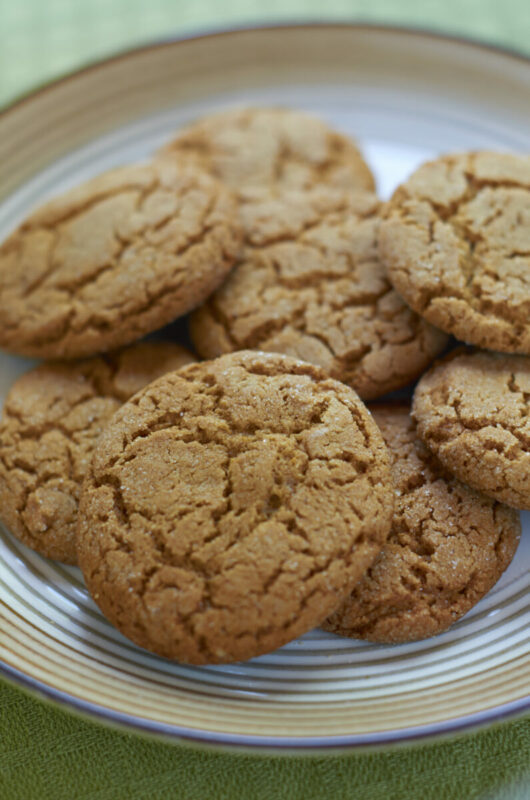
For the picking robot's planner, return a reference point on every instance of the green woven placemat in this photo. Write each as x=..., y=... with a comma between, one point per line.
x=47, y=754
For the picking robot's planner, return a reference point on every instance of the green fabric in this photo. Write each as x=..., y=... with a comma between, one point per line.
x=47, y=753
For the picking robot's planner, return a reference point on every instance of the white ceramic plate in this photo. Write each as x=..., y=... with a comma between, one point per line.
x=406, y=96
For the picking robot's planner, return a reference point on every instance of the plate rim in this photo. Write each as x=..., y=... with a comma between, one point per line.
x=199, y=33
x=286, y=745
x=243, y=742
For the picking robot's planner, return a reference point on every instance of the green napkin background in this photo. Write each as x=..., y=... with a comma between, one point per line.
x=47, y=754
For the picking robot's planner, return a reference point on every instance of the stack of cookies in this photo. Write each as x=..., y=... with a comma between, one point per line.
x=219, y=508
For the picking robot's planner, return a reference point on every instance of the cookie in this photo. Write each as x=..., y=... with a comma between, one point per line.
x=309, y=284
x=231, y=506
x=447, y=547
x=115, y=258
x=273, y=148
x=472, y=410
x=52, y=417
x=457, y=247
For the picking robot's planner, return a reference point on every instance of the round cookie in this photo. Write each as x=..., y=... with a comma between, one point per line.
x=231, y=506
x=447, y=547
x=114, y=259
x=272, y=148
x=472, y=410
x=457, y=246
x=52, y=417
x=309, y=284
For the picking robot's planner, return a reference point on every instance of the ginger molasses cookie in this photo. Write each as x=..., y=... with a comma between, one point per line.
x=272, y=148
x=457, y=246
x=472, y=410
x=231, y=506
x=447, y=547
x=52, y=417
x=310, y=284
x=115, y=258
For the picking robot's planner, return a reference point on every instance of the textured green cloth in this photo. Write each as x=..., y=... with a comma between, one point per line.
x=48, y=754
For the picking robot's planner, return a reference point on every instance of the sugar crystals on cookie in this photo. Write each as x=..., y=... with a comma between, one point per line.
x=447, y=547
x=51, y=420
x=115, y=258
x=231, y=506
x=456, y=243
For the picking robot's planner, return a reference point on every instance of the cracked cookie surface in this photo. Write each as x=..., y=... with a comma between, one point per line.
x=472, y=410
x=456, y=243
x=52, y=418
x=231, y=506
x=447, y=547
x=272, y=148
x=309, y=284
x=114, y=259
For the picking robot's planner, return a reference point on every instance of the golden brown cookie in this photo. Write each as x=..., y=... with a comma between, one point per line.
x=310, y=284
x=457, y=247
x=472, y=410
x=230, y=507
x=115, y=258
x=272, y=148
x=448, y=546
x=52, y=417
